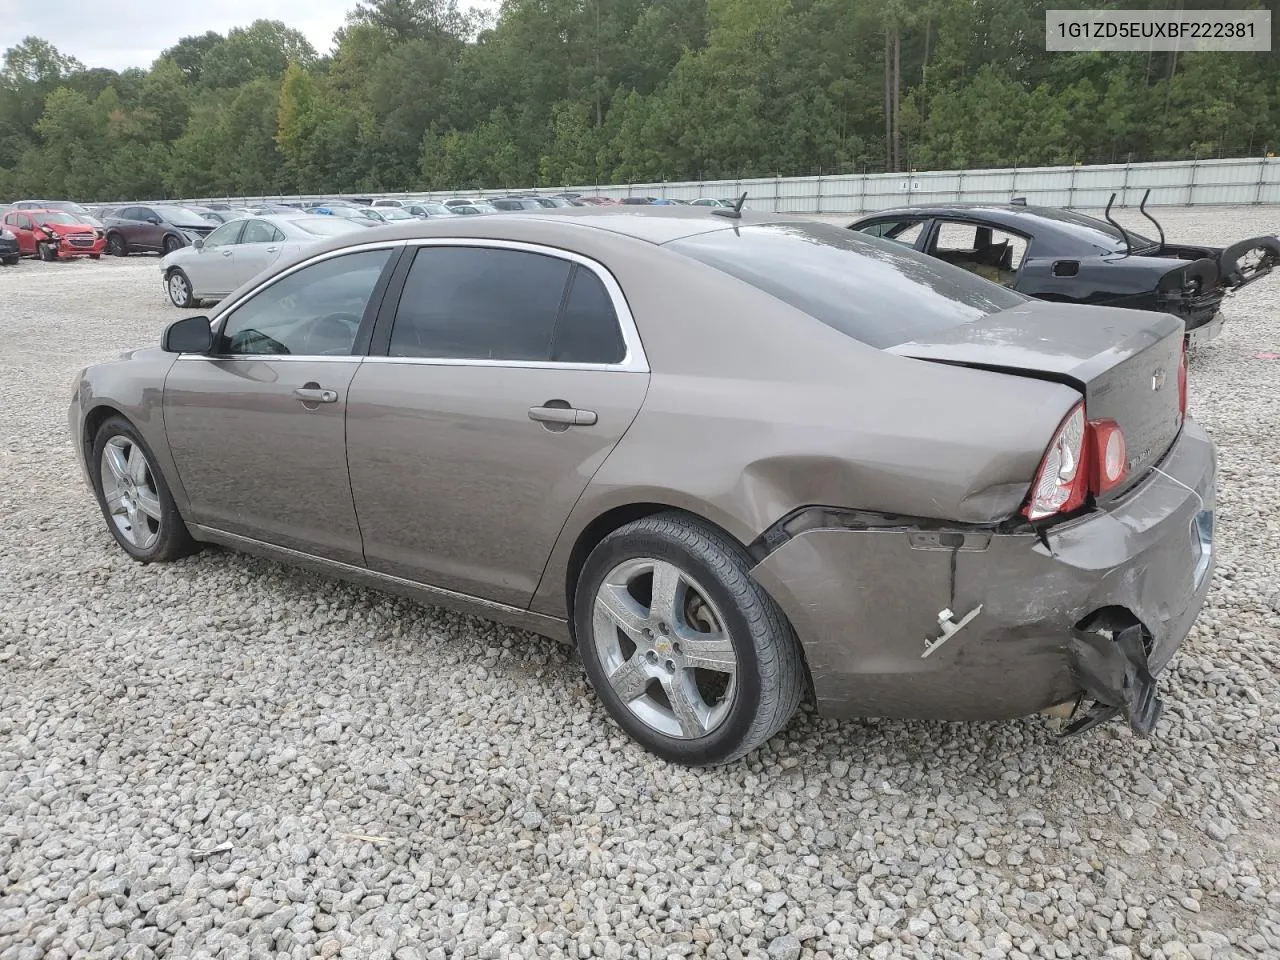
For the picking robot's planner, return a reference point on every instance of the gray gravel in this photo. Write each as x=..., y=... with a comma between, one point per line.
x=226, y=758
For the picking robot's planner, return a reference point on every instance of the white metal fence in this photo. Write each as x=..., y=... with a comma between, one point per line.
x=1244, y=180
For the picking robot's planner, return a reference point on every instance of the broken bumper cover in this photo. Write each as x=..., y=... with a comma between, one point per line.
x=865, y=604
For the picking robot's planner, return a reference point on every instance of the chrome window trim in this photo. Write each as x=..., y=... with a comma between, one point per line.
x=633, y=360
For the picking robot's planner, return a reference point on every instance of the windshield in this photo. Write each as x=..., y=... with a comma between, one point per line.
x=57, y=218
x=395, y=213
x=324, y=226
x=1092, y=230
x=182, y=217
x=436, y=209
x=873, y=290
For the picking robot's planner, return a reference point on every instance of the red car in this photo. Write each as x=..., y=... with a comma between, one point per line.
x=53, y=235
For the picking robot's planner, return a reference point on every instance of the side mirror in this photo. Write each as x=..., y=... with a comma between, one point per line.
x=198, y=242
x=188, y=335
x=155, y=221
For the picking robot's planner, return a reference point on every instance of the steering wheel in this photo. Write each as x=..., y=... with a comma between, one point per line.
x=331, y=334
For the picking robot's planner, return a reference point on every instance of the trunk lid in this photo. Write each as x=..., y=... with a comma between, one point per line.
x=1124, y=362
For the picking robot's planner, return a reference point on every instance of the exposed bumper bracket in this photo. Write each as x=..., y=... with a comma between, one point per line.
x=1115, y=674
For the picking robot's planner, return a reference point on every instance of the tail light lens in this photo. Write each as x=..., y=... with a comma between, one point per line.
x=1061, y=483
x=1182, y=382
x=1110, y=457
x=1084, y=457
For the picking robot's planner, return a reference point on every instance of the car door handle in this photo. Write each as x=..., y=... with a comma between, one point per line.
x=227, y=253
x=565, y=415
x=311, y=394
x=273, y=249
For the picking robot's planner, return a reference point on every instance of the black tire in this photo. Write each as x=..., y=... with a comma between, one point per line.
x=11, y=261
x=770, y=677
x=117, y=245
x=95, y=256
x=171, y=244
x=180, y=297
x=172, y=539
x=47, y=253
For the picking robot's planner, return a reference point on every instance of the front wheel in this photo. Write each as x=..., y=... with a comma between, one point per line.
x=48, y=252
x=117, y=246
x=95, y=256
x=134, y=498
x=179, y=287
x=171, y=244
x=689, y=655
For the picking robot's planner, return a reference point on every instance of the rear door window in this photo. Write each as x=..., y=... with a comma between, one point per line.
x=876, y=291
x=479, y=303
x=980, y=248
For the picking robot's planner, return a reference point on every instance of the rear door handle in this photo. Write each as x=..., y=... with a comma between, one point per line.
x=227, y=253
x=563, y=415
x=311, y=394
x=273, y=249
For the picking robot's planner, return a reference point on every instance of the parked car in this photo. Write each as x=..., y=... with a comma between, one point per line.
x=597, y=201
x=215, y=265
x=226, y=216
x=471, y=209
x=731, y=456
x=427, y=210
x=516, y=204
x=66, y=206
x=157, y=227
x=347, y=213
x=382, y=202
x=1063, y=255
x=711, y=202
x=10, y=251
x=387, y=214
x=636, y=201
x=270, y=208
x=463, y=201
x=53, y=234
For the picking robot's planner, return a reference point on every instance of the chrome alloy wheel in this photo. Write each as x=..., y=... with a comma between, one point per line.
x=129, y=488
x=664, y=647
x=179, y=289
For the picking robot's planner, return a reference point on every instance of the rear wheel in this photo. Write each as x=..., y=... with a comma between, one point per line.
x=171, y=244
x=689, y=654
x=134, y=498
x=179, y=287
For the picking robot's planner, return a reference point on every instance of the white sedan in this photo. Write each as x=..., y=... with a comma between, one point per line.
x=211, y=268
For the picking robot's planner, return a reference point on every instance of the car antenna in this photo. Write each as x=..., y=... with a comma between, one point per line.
x=1142, y=208
x=734, y=212
x=1115, y=223
x=1018, y=201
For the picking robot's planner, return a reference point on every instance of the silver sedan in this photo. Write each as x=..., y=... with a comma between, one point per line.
x=211, y=268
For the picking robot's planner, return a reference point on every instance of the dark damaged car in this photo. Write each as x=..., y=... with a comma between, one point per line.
x=1062, y=255
x=734, y=458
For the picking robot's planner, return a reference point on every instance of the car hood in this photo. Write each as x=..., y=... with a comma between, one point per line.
x=65, y=229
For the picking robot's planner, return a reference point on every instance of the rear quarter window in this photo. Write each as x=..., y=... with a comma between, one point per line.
x=877, y=291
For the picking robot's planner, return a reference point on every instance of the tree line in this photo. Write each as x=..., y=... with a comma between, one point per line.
x=421, y=94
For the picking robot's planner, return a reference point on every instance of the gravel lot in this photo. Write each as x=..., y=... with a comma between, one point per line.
x=226, y=758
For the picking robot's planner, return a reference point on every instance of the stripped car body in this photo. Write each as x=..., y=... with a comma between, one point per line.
x=1065, y=256
x=865, y=425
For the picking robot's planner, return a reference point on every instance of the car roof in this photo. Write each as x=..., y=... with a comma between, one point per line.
x=656, y=225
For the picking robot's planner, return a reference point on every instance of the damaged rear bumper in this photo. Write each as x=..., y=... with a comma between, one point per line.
x=865, y=601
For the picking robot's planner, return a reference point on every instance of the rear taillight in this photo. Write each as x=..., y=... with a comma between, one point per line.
x=1084, y=457
x=1110, y=458
x=1182, y=382
x=1061, y=483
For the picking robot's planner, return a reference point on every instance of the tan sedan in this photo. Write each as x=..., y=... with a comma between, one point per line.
x=736, y=457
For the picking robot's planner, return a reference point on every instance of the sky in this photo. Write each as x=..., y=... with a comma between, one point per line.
x=131, y=33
